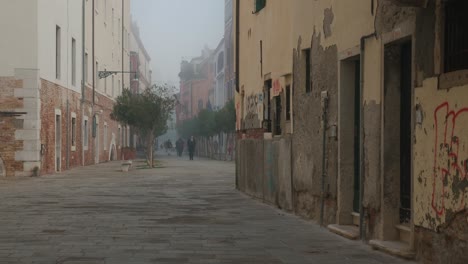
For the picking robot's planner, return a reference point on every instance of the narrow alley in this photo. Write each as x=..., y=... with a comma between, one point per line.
x=184, y=212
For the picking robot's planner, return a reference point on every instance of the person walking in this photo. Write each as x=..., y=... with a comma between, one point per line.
x=180, y=147
x=191, y=147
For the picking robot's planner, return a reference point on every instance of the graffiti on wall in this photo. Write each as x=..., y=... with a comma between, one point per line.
x=254, y=110
x=450, y=180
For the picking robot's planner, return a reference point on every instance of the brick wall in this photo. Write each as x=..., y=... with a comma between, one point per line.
x=8, y=125
x=59, y=100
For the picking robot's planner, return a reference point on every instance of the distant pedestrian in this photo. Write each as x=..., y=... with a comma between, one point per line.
x=191, y=147
x=180, y=147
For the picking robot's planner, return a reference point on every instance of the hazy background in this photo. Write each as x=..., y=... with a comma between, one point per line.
x=176, y=29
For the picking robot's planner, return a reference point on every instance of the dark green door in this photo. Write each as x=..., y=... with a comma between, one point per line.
x=357, y=131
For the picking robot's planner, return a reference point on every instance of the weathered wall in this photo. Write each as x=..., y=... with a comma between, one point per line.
x=266, y=48
x=264, y=170
x=448, y=245
x=8, y=126
x=55, y=97
x=307, y=161
x=441, y=155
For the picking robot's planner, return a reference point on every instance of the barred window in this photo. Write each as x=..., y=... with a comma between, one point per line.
x=456, y=36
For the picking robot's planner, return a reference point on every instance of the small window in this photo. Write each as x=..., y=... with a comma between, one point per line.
x=259, y=5
x=73, y=132
x=73, y=62
x=267, y=105
x=308, y=84
x=288, y=102
x=97, y=75
x=278, y=112
x=57, y=52
x=105, y=136
x=456, y=36
x=118, y=136
x=85, y=133
x=86, y=67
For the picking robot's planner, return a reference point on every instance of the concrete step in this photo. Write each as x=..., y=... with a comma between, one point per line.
x=355, y=218
x=396, y=248
x=348, y=231
x=405, y=233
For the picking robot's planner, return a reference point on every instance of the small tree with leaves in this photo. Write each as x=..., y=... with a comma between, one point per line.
x=147, y=112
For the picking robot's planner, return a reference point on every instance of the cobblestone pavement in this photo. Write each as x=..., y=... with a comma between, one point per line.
x=187, y=212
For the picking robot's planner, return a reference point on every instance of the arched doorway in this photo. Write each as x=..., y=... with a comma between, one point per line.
x=2, y=168
x=113, y=153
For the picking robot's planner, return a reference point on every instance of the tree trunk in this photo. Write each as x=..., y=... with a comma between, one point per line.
x=149, y=141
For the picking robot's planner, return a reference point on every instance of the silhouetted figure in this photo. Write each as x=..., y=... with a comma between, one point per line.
x=191, y=147
x=180, y=146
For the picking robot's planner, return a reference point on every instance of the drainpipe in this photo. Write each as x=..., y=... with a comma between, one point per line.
x=362, y=231
x=123, y=67
x=237, y=43
x=83, y=71
x=324, y=153
x=94, y=59
x=237, y=86
x=83, y=25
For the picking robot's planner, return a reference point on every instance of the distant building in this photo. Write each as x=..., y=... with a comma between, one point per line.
x=220, y=93
x=196, y=85
x=229, y=61
x=139, y=62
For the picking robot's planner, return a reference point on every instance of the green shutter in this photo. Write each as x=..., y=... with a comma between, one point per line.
x=259, y=5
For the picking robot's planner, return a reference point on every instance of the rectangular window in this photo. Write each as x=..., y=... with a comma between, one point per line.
x=118, y=136
x=288, y=102
x=278, y=112
x=267, y=105
x=97, y=75
x=105, y=84
x=119, y=29
x=57, y=52
x=73, y=132
x=105, y=137
x=112, y=22
x=308, y=83
x=73, y=61
x=86, y=67
x=85, y=133
x=456, y=36
x=259, y=5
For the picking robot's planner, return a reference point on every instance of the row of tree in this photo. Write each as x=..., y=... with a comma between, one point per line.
x=209, y=123
x=146, y=112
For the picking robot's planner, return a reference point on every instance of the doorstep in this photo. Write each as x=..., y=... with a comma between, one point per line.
x=396, y=248
x=348, y=231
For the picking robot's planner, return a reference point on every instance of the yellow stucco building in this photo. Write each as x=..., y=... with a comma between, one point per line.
x=388, y=80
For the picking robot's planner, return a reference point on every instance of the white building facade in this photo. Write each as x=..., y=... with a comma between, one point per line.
x=54, y=108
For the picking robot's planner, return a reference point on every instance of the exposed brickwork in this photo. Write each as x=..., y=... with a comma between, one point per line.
x=251, y=134
x=8, y=126
x=56, y=97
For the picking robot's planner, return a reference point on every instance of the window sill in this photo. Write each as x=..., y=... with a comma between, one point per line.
x=73, y=148
x=453, y=79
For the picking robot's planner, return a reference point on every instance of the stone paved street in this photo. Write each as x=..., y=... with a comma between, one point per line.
x=187, y=212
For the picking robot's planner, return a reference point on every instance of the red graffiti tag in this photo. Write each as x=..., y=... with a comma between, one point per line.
x=448, y=161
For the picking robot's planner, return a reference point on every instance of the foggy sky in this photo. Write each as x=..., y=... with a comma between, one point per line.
x=176, y=29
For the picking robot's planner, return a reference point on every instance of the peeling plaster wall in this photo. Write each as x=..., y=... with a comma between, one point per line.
x=441, y=154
